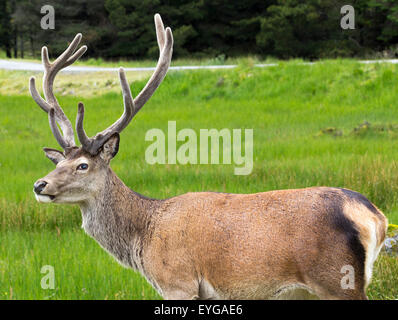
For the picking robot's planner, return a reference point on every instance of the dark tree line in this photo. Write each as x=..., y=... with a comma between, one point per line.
x=206, y=28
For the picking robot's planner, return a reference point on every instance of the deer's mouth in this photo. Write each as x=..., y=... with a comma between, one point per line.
x=45, y=198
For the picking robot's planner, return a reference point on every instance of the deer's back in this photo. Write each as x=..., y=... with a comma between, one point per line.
x=270, y=236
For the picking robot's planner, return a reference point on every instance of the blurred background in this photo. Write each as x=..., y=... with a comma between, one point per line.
x=115, y=29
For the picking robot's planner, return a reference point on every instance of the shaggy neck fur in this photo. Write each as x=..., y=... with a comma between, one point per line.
x=120, y=220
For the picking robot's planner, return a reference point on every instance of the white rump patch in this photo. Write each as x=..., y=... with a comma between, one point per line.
x=372, y=251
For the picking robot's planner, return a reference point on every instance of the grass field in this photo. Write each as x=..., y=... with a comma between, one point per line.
x=334, y=123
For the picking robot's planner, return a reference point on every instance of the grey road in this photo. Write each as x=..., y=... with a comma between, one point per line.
x=32, y=66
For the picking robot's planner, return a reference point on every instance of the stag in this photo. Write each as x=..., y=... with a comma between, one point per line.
x=284, y=244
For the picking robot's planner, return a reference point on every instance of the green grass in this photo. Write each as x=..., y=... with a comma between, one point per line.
x=307, y=132
x=79, y=268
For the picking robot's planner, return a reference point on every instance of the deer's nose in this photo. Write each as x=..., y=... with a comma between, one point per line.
x=39, y=186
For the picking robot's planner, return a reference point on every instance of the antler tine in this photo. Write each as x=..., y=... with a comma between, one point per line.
x=36, y=95
x=62, y=60
x=81, y=134
x=160, y=34
x=131, y=106
x=50, y=102
x=55, y=130
x=94, y=144
x=44, y=58
x=124, y=120
x=165, y=42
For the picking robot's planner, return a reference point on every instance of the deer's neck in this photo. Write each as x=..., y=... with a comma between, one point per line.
x=120, y=220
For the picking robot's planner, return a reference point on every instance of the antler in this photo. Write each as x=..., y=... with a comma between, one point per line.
x=50, y=104
x=131, y=106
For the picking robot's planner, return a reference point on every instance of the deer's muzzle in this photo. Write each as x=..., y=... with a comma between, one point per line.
x=39, y=186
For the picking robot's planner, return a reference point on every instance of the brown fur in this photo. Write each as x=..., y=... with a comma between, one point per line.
x=251, y=246
x=231, y=246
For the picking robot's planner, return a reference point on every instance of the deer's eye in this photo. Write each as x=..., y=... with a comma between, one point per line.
x=82, y=166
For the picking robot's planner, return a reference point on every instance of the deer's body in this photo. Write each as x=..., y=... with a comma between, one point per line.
x=277, y=244
x=280, y=244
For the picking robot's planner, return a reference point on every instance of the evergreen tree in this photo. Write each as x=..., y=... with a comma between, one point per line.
x=206, y=28
x=5, y=27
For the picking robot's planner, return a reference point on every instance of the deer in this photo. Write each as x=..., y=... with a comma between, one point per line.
x=281, y=244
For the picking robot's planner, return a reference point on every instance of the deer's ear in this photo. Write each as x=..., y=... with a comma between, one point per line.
x=110, y=148
x=54, y=155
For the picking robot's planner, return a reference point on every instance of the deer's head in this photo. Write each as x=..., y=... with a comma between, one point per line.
x=81, y=171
